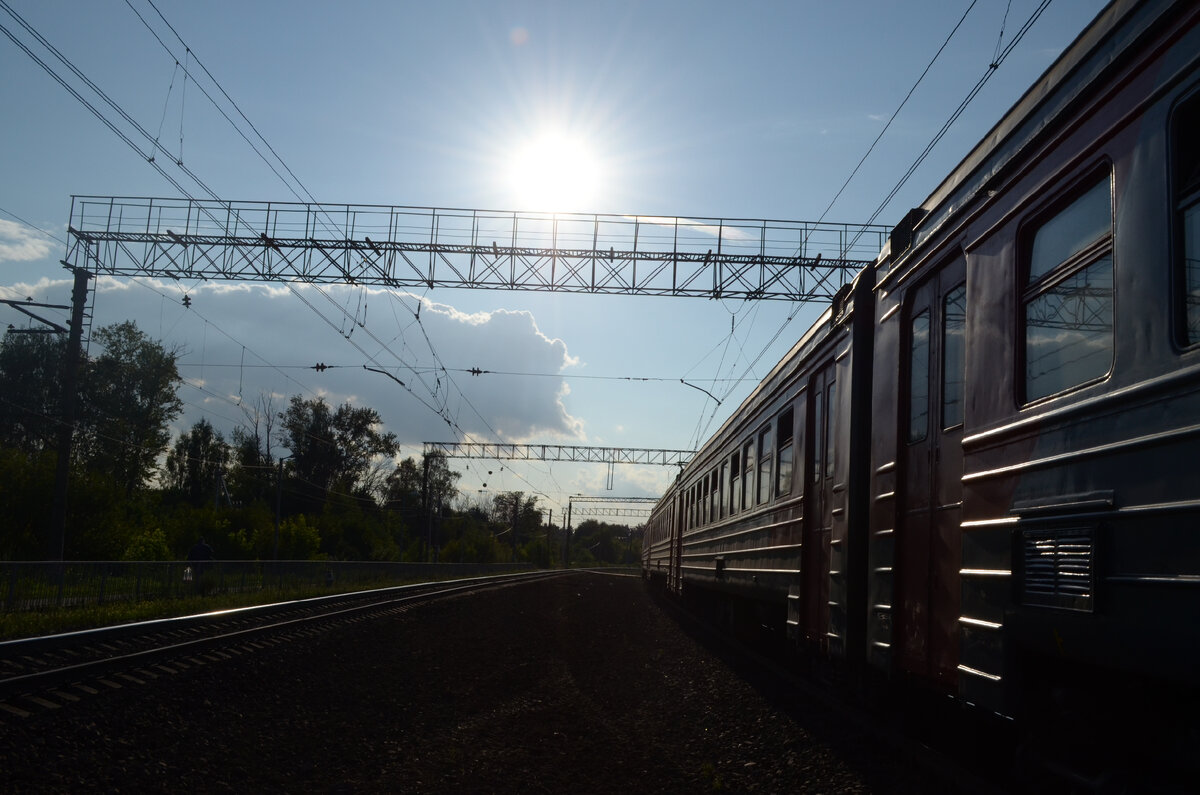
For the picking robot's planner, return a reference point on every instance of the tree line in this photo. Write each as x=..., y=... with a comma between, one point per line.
x=296, y=481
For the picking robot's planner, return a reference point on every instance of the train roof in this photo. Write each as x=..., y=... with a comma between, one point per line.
x=1095, y=50
x=791, y=363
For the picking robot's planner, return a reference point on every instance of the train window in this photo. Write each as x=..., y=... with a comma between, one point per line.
x=783, y=470
x=735, y=482
x=918, y=377
x=704, y=517
x=1186, y=167
x=714, y=495
x=1069, y=296
x=954, y=355
x=830, y=394
x=724, y=491
x=1191, y=270
x=818, y=436
x=748, y=475
x=1191, y=265
x=765, y=455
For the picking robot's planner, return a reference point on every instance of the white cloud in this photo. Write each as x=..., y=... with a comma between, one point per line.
x=502, y=342
x=688, y=226
x=240, y=340
x=19, y=243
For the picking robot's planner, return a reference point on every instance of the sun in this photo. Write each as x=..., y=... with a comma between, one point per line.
x=554, y=172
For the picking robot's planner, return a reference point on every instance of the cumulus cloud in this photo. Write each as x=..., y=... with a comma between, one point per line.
x=19, y=243
x=503, y=342
x=238, y=341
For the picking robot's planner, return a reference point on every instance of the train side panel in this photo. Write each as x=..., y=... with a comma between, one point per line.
x=1086, y=448
x=1050, y=534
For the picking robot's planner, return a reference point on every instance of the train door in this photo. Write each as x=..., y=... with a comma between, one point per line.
x=929, y=541
x=818, y=513
x=675, y=553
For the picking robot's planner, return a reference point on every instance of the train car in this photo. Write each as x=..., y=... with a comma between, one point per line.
x=765, y=503
x=992, y=481
x=1035, y=488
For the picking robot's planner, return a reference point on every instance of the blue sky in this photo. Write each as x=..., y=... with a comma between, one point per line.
x=760, y=110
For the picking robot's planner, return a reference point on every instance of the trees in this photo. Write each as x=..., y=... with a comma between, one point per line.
x=344, y=495
x=421, y=493
x=197, y=464
x=334, y=449
x=30, y=365
x=129, y=403
x=252, y=475
x=518, y=513
x=126, y=398
x=601, y=542
x=405, y=487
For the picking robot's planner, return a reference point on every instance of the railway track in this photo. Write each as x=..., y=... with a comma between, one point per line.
x=50, y=671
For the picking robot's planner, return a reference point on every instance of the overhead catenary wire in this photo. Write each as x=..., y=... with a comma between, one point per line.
x=992, y=67
x=433, y=391
x=899, y=108
x=958, y=111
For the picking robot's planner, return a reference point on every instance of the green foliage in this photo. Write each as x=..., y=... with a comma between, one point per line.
x=352, y=529
x=298, y=540
x=148, y=545
x=97, y=517
x=129, y=403
x=336, y=501
x=197, y=464
x=26, y=488
x=30, y=374
x=468, y=541
x=333, y=449
x=414, y=550
x=405, y=487
x=602, y=543
x=251, y=474
x=513, y=511
x=537, y=552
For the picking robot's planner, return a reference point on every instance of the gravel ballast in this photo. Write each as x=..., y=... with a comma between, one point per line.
x=579, y=683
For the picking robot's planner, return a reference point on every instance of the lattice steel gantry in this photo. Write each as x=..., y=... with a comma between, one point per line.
x=418, y=247
x=421, y=247
x=560, y=452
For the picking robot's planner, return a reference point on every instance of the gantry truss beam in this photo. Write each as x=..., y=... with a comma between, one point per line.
x=559, y=452
x=421, y=247
x=637, y=513
x=609, y=506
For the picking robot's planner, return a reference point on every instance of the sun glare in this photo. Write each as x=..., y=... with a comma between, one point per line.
x=554, y=172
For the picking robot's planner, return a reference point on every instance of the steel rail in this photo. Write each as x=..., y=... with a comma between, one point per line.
x=380, y=600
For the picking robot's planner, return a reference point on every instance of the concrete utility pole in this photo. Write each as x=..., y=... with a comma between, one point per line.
x=428, y=512
x=66, y=430
x=567, y=538
x=516, y=516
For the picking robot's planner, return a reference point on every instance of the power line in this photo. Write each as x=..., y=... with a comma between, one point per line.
x=962, y=106
x=433, y=391
x=899, y=107
x=34, y=227
x=993, y=66
x=156, y=146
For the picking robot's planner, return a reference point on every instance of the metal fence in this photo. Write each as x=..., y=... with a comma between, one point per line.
x=27, y=586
